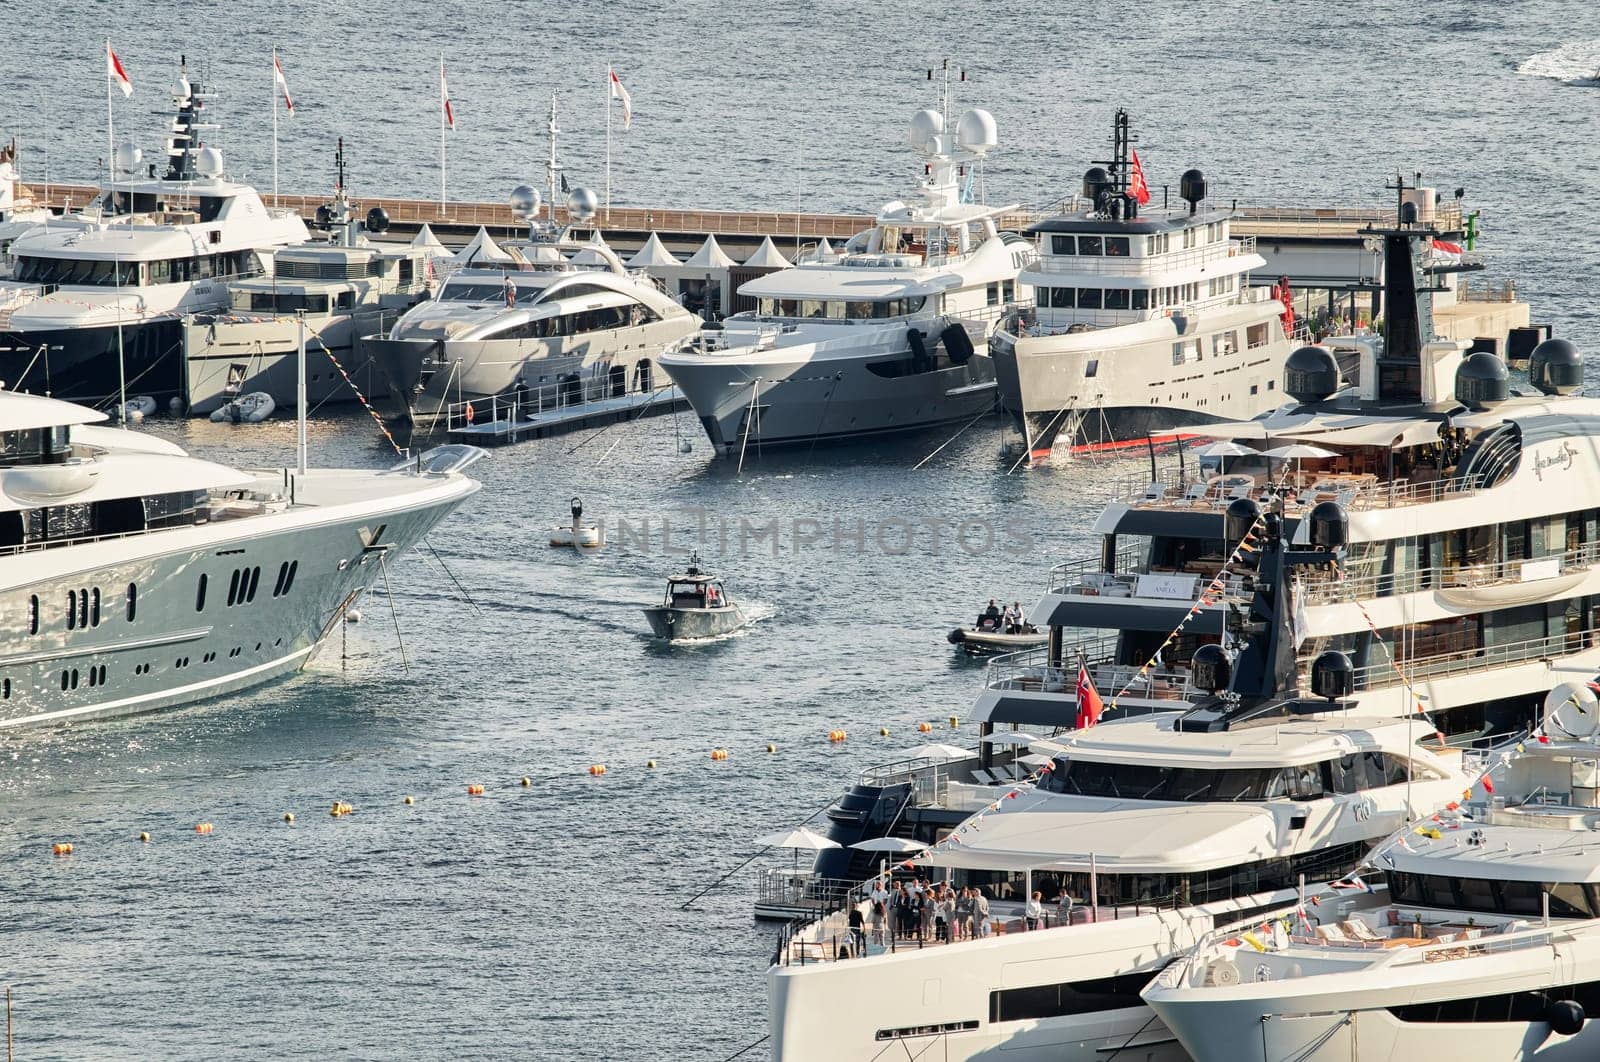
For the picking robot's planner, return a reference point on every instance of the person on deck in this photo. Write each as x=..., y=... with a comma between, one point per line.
x=980, y=912
x=1033, y=911
x=963, y=923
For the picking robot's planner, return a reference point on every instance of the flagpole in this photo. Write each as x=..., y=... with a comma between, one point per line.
x=111, y=173
x=275, y=127
x=440, y=133
x=608, y=143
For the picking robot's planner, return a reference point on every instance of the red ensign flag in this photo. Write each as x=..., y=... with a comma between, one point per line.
x=1089, y=704
x=1136, y=183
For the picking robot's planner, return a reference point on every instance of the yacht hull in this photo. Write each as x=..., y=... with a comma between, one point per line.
x=787, y=402
x=167, y=642
x=225, y=357
x=687, y=624
x=94, y=365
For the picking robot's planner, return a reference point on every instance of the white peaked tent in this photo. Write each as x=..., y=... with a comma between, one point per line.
x=710, y=256
x=426, y=238
x=824, y=249
x=767, y=256
x=652, y=255
x=590, y=258
x=482, y=251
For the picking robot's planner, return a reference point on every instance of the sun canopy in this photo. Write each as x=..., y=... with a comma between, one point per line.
x=1298, y=452
x=710, y=256
x=936, y=751
x=800, y=838
x=889, y=844
x=1011, y=737
x=482, y=251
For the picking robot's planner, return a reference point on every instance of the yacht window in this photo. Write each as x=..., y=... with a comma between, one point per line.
x=1346, y=774
x=1189, y=237
x=769, y=307
x=1063, y=245
x=1384, y=769
x=1256, y=336
x=345, y=300
x=1141, y=299
x=1185, y=351
x=465, y=291
x=1117, y=298
x=1088, y=298
x=834, y=309
x=994, y=294
x=788, y=307
x=858, y=311
x=1477, y=894
x=1008, y=291
x=1090, y=245
x=1141, y=781
x=811, y=308
x=1116, y=247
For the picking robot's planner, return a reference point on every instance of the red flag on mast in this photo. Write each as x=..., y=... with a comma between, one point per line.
x=1136, y=183
x=1089, y=704
x=115, y=72
x=283, y=85
x=444, y=98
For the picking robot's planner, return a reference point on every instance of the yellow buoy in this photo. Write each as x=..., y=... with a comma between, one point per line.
x=526, y=781
x=771, y=747
x=650, y=764
x=883, y=731
x=954, y=722
x=144, y=837
x=288, y=816
x=410, y=801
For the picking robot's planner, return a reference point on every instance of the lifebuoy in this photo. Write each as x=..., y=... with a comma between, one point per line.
x=469, y=413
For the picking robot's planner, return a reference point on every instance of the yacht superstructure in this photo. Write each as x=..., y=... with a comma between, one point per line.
x=1486, y=943
x=1145, y=321
x=94, y=305
x=344, y=288
x=140, y=578
x=18, y=214
x=1474, y=523
x=888, y=334
x=544, y=319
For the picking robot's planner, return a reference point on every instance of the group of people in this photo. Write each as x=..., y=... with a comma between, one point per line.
x=1008, y=619
x=934, y=912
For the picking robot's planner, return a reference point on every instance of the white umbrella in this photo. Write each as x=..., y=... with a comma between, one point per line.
x=1033, y=759
x=1226, y=448
x=889, y=844
x=936, y=751
x=1012, y=737
x=1298, y=452
x=800, y=838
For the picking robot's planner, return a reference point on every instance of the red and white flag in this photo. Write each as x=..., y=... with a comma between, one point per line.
x=444, y=99
x=1136, y=183
x=115, y=72
x=620, y=93
x=283, y=85
x=1089, y=704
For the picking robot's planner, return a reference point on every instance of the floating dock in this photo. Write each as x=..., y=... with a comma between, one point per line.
x=501, y=421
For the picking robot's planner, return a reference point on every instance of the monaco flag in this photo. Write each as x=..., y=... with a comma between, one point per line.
x=1136, y=183
x=1089, y=704
x=115, y=72
x=444, y=99
x=283, y=85
x=620, y=93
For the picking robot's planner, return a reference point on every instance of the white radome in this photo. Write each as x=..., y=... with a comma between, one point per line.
x=976, y=131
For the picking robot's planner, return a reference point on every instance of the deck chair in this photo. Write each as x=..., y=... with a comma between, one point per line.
x=1356, y=929
x=1331, y=934
x=1241, y=491
x=1196, y=494
x=1155, y=492
x=984, y=777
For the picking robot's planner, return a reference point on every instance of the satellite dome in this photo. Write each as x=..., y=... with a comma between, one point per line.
x=127, y=157
x=1555, y=367
x=1210, y=668
x=975, y=131
x=1239, y=519
x=524, y=201
x=180, y=87
x=1192, y=187
x=925, y=125
x=1570, y=710
x=1330, y=528
x=582, y=203
x=1333, y=675
x=1482, y=381
x=208, y=162
x=377, y=220
x=1311, y=374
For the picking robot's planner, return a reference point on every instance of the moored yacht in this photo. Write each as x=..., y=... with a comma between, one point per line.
x=343, y=288
x=140, y=578
x=546, y=322
x=19, y=214
x=888, y=334
x=1474, y=523
x=1157, y=828
x=1486, y=943
x=95, y=304
x=1145, y=321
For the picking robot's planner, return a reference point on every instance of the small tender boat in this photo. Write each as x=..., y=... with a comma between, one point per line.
x=991, y=634
x=696, y=606
x=580, y=535
x=246, y=409
x=139, y=407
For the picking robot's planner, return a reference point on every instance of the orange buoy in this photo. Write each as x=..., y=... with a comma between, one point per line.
x=474, y=790
x=62, y=848
x=597, y=769
x=923, y=728
x=202, y=827
x=719, y=754
x=837, y=736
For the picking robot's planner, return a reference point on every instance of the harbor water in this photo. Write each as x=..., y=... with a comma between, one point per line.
x=547, y=921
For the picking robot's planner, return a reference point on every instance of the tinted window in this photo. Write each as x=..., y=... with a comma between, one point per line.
x=1090, y=245
x=1088, y=298
x=1063, y=245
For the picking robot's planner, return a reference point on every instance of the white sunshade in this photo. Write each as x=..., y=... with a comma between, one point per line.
x=1012, y=737
x=1225, y=448
x=800, y=838
x=653, y=253
x=889, y=844
x=426, y=238
x=1298, y=451
x=936, y=751
x=114, y=475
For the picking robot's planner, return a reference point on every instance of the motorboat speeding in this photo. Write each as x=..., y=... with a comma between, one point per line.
x=696, y=606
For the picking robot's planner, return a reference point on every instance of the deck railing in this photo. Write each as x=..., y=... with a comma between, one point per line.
x=1323, y=588
x=1031, y=670
x=1480, y=659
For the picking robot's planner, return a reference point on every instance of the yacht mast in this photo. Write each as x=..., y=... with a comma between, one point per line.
x=552, y=169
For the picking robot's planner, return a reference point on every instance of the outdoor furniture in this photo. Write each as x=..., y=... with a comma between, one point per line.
x=1155, y=492
x=984, y=777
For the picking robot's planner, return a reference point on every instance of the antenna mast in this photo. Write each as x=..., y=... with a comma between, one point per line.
x=552, y=169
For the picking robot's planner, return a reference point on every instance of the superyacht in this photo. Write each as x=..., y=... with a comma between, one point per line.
x=93, y=310
x=138, y=577
x=1145, y=321
x=342, y=288
x=889, y=334
x=1486, y=943
x=1142, y=832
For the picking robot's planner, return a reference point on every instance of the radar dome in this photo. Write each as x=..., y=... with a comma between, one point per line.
x=1555, y=367
x=975, y=131
x=524, y=201
x=208, y=162
x=925, y=125
x=180, y=87
x=1482, y=381
x=377, y=220
x=1311, y=374
x=1210, y=669
x=1333, y=676
x=127, y=157
x=582, y=203
x=1571, y=710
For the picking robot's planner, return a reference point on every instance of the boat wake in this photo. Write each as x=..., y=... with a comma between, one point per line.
x=755, y=613
x=1577, y=63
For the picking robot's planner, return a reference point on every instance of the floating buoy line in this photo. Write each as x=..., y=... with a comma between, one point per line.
x=340, y=809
